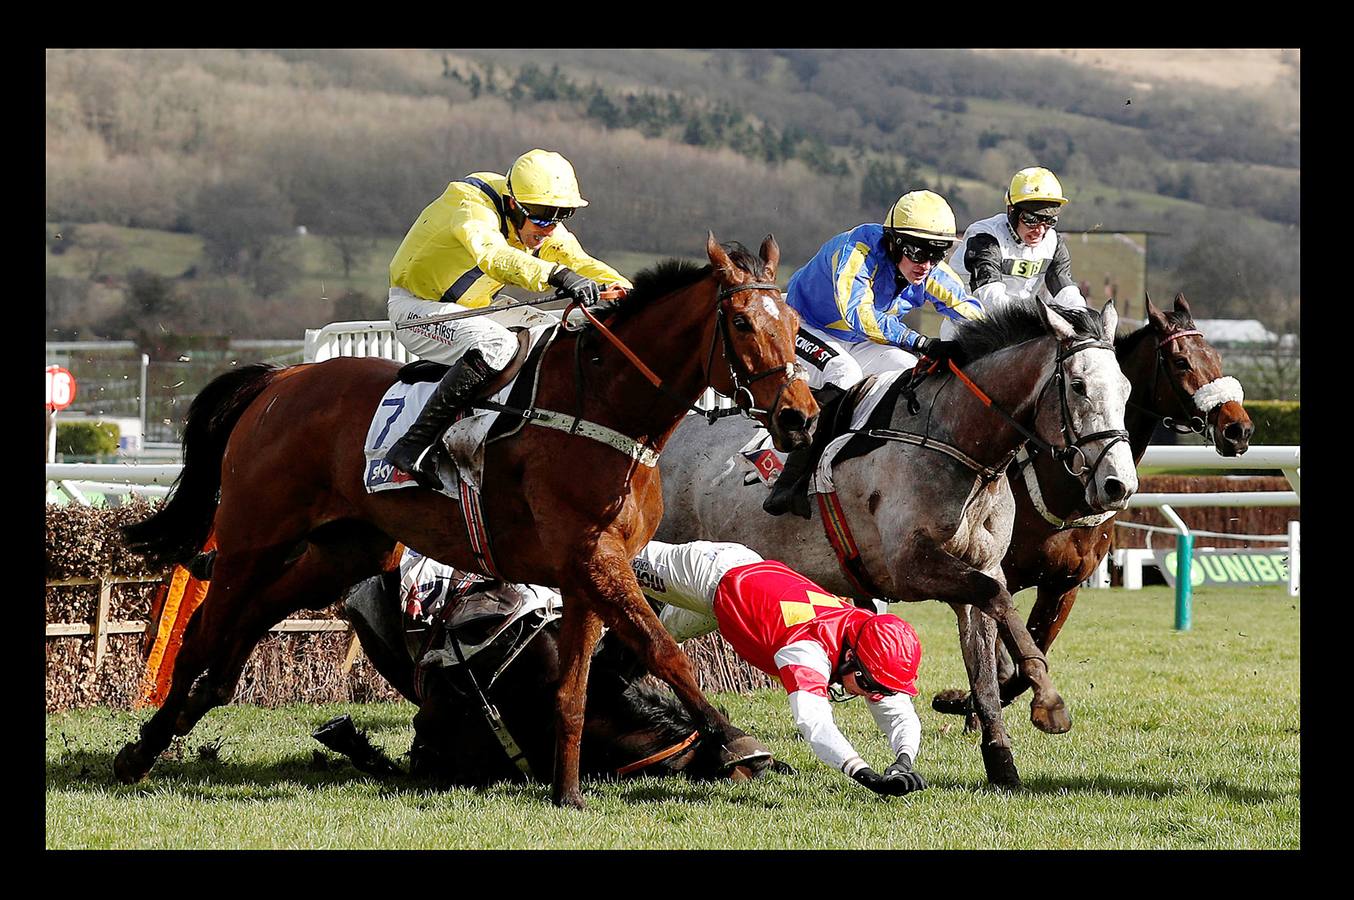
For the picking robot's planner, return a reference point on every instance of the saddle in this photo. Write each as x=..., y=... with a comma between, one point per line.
x=470, y=623
x=834, y=420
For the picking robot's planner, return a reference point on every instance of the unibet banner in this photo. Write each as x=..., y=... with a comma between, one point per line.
x=1232, y=567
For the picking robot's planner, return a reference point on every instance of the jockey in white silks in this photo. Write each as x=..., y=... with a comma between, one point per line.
x=1018, y=255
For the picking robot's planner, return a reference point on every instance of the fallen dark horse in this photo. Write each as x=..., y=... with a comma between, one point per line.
x=485, y=680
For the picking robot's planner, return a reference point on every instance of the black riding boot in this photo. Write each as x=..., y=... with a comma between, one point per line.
x=788, y=494
x=457, y=388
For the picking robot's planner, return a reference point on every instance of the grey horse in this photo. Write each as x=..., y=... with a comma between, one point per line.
x=933, y=521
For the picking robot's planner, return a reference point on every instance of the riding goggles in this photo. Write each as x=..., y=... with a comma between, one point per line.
x=545, y=216
x=1033, y=220
x=922, y=253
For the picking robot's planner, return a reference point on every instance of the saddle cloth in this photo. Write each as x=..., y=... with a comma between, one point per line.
x=766, y=461
x=464, y=440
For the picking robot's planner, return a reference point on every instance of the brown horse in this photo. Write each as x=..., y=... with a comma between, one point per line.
x=295, y=527
x=1169, y=364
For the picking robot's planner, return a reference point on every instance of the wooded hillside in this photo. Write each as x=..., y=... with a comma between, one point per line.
x=237, y=149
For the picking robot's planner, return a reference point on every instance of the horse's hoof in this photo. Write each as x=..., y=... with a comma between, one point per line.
x=971, y=723
x=741, y=773
x=130, y=766
x=951, y=702
x=744, y=750
x=1001, y=768
x=1051, y=720
x=571, y=799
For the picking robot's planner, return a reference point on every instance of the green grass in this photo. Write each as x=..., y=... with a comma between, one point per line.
x=1180, y=740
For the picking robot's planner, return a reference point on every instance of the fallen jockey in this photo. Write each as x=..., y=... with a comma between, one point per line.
x=780, y=623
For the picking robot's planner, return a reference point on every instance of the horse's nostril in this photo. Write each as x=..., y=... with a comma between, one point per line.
x=792, y=420
x=1115, y=490
x=1238, y=431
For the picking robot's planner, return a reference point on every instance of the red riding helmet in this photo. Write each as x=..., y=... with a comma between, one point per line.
x=889, y=650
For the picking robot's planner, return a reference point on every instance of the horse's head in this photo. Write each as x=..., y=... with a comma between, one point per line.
x=758, y=332
x=1085, y=421
x=1189, y=379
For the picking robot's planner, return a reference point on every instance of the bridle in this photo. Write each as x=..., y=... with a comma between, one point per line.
x=741, y=377
x=742, y=393
x=1071, y=448
x=1197, y=424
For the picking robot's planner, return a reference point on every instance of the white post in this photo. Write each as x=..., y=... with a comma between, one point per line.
x=1133, y=568
x=145, y=366
x=1294, y=557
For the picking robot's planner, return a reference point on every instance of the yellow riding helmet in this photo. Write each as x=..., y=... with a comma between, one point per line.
x=543, y=178
x=922, y=214
x=1035, y=183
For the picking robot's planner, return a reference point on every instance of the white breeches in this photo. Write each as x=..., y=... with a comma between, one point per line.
x=844, y=363
x=447, y=342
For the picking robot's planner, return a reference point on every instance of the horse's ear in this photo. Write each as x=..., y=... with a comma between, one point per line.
x=1109, y=318
x=1182, y=306
x=770, y=254
x=718, y=258
x=1156, y=317
x=1055, y=323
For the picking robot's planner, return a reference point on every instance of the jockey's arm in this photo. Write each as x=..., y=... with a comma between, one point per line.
x=477, y=228
x=563, y=247
x=896, y=717
x=945, y=291
x=982, y=259
x=1058, y=280
x=803, y=668
x=853, y=289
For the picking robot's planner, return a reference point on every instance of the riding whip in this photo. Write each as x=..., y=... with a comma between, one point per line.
x=486, y=310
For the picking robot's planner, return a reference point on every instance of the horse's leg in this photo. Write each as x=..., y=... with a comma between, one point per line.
x=249, y=594
x=943, y=576
x=978, y=643
x=234, y=580
x=580, y=628
x=1051, y=609
x=635, y=623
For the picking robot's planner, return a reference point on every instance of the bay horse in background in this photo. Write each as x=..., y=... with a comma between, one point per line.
x=928, y=504
x=1058, y=542
x=273, y=463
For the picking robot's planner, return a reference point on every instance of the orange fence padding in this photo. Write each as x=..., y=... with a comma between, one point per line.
x=177, y=601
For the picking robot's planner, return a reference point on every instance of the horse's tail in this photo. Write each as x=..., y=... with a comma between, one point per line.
x=180, y=527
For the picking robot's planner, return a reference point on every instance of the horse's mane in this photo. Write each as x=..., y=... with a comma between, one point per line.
x=1178, y=321
x=1018, y=321
x=658, y=709
x=672, y=275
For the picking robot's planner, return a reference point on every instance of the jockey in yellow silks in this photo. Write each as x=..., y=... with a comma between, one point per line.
x=486, y=231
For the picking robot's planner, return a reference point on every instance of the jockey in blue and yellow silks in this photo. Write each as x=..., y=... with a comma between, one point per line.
x=485, y=231
x=855, y=291
x=851, y=299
